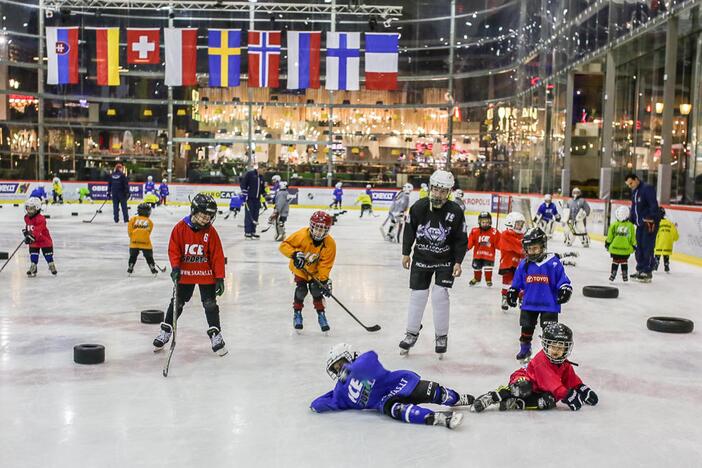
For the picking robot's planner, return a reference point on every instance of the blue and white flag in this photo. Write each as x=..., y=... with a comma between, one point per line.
x=343, y=60
x=303, y=59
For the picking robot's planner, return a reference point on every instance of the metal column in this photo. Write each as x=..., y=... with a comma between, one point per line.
x=695, y=148
x=669, y=77
x=171, y=134
x=40, y=91
x=452, y=44
x=568, y=137
x=607, y=128
x=249, y=140
x=330, y=153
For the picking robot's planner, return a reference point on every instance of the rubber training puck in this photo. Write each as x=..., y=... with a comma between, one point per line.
x=670, y=325
x=220, y=212
x=601, y=292
x=15, y=205
x=99, y=211
x=88, y=354
x=4, y=255
x=74, y=213
x=152, y=316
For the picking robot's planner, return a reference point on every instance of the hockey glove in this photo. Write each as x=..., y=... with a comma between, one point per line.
x=607, y=246
x=573, y=400
x=299, y=260
x=558, y=218
x=175, y=274
x=587, y=395
x=512, y=297
x=219, y=286
x=650, y=225
x=564, y=294
x=28, y=237
x=327, y=288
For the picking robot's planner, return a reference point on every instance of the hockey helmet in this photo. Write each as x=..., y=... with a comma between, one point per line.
x=203, y=210
x=32, y=206
x=547, y=198
x=276, y=178
x=440, y=185
x=557, y=342
x=576, y=192
x=150, y=178
x=622, y=213
x=407, y=188
x=368, y=186
x=164, y=181
x=516, y=222
x=338, y=185
x=485, y=220
x=320, y=224
x=534, y=243
x=56, y=180
x=339, y=355
x=283, y=185
x=144, y=209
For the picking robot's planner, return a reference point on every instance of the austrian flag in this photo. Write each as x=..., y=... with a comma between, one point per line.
x=381, y=60
x=181, y=56
x=264, y=59
x=143, y=45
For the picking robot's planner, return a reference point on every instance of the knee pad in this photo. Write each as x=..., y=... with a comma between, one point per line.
x=210, y=305
x=318, y=303
x=300, y=292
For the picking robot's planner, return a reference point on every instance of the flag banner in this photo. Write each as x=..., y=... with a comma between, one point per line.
x=303, y=59
x=264, y=59
x=224, y=56
x=107, y=56
x=343, y=60
x=62, y=55
x=143, y=45
x=381, y=60
x=181, y=56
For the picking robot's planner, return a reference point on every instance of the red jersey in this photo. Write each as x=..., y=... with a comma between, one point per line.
x=511, y=250
x=198, y=254
x=36, y=225
x=545, y=376
x=484, y=242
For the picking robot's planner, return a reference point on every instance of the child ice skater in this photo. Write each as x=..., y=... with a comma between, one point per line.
x=483, y=240
x=363, y=383
x=547, y=379
x=620, y=243
x=139, y=229
x=235, y=205
x=366, y=203
x=338, y=195
x=37, y=236
x=511, y=251
x=666, y=237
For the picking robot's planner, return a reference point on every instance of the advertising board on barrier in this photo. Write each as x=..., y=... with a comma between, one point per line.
x=98, y=191
x=12, y=190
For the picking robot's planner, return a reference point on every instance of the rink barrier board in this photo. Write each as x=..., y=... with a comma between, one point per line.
x=688, y=218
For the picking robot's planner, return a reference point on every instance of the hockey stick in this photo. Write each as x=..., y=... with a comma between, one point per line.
x=175, y=324
x=373, y=328
x=163, y=270
x=98, y=211
x=10, y=257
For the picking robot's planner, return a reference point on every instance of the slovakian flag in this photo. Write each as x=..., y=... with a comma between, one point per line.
x=343, y=60
x=143, y=45
x=381, y=60
x=224, y=56
x=181, y=56
x=62, y=55
x=264, y=59
x=303, y=59
x=107, y=56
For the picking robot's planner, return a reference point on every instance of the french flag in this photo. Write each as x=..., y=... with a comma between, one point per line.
x=264, y=59
x=381, y=60
x=62, y=54
x=303, y=59
x=181, y=56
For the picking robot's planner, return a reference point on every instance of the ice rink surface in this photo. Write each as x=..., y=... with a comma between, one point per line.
x=251, y=407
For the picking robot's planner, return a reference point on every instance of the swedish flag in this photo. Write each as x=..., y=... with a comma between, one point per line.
x=224, y=53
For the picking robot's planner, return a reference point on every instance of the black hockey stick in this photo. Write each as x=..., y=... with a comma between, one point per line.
x=163, y=270
x=175, y=324
x=13, y=254
x=373, y=328
x=98, y=211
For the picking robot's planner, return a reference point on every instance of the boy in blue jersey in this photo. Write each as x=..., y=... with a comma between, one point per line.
x=338, y=195
x=363, y=383
x=546, y=215
x=545, y=284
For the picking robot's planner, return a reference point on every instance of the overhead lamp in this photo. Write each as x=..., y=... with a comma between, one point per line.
x=659, y=108
x=685, y=109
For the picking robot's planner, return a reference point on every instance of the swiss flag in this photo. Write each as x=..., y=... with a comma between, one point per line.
x=143, y=45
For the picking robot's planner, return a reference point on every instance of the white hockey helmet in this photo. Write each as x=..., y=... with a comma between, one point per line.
x=622, y=213
x=276, y=178
x=440, y=186
x=368, y=186
x=424, y=186
x=150, y=178
x=283, y=185
x=338, y=353
x=407, y=188
x=338, y=185
x=516, y=222
x=56, y=180
x=32, y=206
x=547, y=198
x=164, y=181
x=576, y=192
x=458, y=194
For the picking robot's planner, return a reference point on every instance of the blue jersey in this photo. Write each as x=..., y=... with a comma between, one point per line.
x=540, y=283
x=235, y=202
x=369, y=192
x=163, y=190
x=368, y=386
x=39, y=192
x=149, y=187
x=547, y=211
x=338, y=193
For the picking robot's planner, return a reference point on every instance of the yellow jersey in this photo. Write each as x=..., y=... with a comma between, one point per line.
x=139, y=229
x=666, y=237
x=320, y=256
x=364, y=199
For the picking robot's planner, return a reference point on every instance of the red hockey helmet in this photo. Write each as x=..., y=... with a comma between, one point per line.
x=320, y=223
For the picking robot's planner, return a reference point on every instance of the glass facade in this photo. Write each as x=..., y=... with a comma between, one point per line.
x=511, y=95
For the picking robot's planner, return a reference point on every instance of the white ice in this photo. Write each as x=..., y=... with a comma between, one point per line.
x=251, y=408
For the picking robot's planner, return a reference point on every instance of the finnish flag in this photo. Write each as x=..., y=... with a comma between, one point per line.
x=343, y=60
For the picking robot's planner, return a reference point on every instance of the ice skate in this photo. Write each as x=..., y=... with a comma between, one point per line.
x=322, y=319
x=163, y=337
x=153, y=269
x=450, y=419
x=512, y=404
x=611, y=278
x=32, y=272
x=465, y=400
x=484, y=401
x=472, y=282
x=52, y=268
x=297, y=320
x=408, y=342
x=488, y=284
x=217, y=341
x=644, y=278
x=130, y=269
x=441, y=345
x=504, y=305
x=524, y=354
x=625, y=277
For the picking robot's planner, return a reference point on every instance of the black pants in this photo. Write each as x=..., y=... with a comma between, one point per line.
x=645, y=245
x=251, y=216
x=148, y=255
x=530, y=400
x=301, y=288
x=420, y=278
x=208, y=298
x=422, y=393
x=666, y=262
x=116, y=204
x=58, y=198
x=366, y=207
x=528, y=320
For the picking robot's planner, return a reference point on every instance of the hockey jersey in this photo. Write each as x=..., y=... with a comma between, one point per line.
x=621, y=238
x=438, y=235
x=149, y=186
x=198, y=254
x=235, y=202
x=139, y=229
x=368, y=385
x=511, y=250
x=484, y=242
x=338, y=193
x=666, y=237
x=40, y=193
x=319, y=255
x=540, y=283
x=400, y=203
x=364, y=199
x=57, y=188
x=547, y=211
x=545, y=376
x=36, y=225
x=163, y=190
x=282, y=204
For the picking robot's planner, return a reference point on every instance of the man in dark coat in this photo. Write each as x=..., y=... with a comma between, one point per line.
x=118, y=190
x=644, y=214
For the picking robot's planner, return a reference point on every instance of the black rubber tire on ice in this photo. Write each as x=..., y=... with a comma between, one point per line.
x=152, y=316
x=4, y=255
x=15, y=205
x=601, y=292
x=670, y=325
x=88, y=354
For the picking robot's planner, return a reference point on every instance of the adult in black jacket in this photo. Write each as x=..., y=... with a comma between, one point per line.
x=644, y=214
x=437, y=231
x=118, y=190
x=252, y=187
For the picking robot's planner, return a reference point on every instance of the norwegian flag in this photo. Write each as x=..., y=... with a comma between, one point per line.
x=264, y=59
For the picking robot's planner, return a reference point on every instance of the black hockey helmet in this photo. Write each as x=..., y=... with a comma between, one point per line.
x=203, y=204
x=144, y=209
x=485, y=220
x=557, y=341
x=534, y=237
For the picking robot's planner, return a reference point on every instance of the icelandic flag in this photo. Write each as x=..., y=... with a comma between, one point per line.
x=62, y=54
x=181, y=56
x=343, y=60
x=264, y=59
x=224, y=55
x=381, y=60
x=303, y=59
